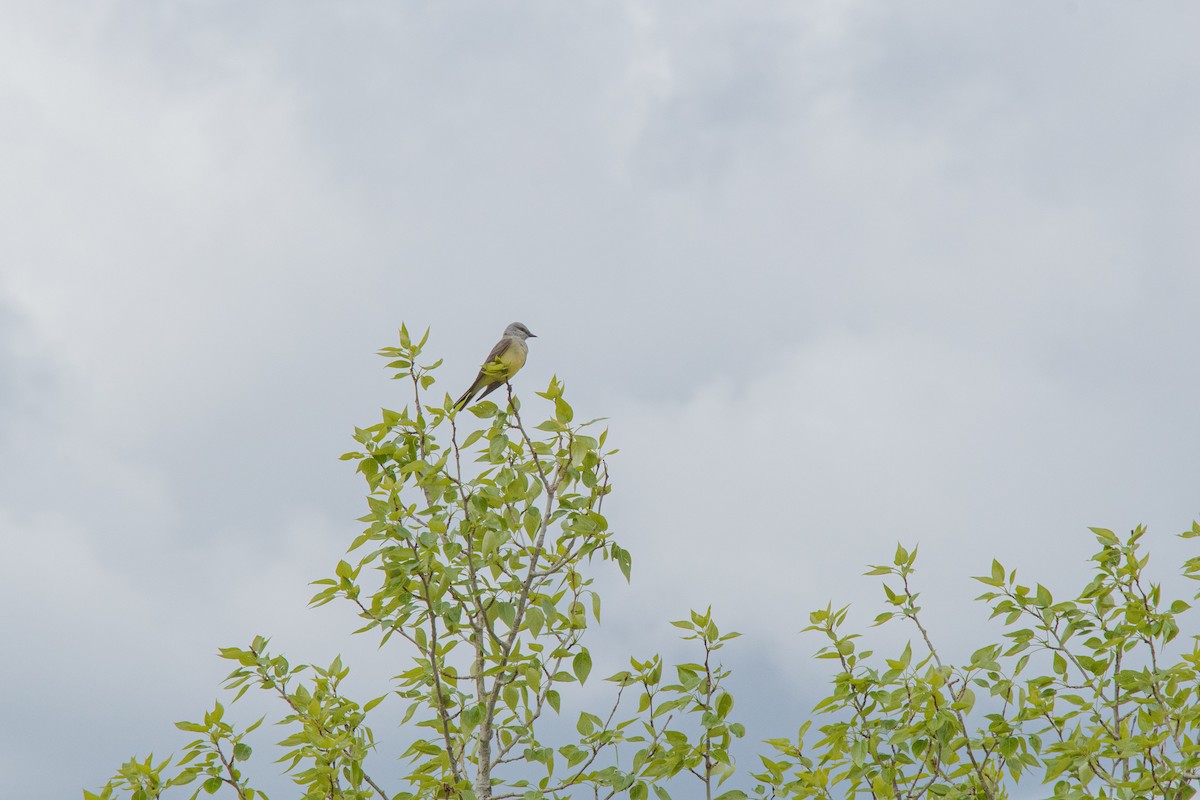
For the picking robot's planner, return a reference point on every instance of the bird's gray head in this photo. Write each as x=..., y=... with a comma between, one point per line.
x=518, y=331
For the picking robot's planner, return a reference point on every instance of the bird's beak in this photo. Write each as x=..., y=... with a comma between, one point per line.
x=533, y=336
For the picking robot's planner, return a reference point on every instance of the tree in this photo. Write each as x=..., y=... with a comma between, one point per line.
x=1082, y=691
x=476, y=563
x=480, y=570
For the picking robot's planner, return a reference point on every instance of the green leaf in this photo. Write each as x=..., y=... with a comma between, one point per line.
x=497, y=446
x=472, y=716
x=623, y=560
x=484, y=409
x=562, y=411
x=581, y=665
x=534, y=620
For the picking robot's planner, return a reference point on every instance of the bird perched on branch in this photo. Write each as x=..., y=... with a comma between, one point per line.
x=505, y=361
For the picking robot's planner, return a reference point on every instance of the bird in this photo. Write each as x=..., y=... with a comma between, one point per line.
x=505, y=361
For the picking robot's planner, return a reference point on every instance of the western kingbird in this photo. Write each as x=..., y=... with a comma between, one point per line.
x=505, y=361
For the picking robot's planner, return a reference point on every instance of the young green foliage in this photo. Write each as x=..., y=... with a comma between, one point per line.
x=481, y=570
x=686, y=729
x=473, y=572
x=474, y=568
x=1084, y=693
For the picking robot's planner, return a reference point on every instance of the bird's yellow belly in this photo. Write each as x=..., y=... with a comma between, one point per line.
x=505, y=365
x=512, y=359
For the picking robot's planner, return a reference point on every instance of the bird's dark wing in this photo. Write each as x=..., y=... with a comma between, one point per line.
x=500, y=349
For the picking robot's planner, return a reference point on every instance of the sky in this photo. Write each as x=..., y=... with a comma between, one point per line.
x=839, y=275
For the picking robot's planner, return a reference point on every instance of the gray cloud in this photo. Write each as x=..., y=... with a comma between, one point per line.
x=841, y=275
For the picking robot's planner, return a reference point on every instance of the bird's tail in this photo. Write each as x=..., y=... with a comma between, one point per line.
x=468, y=395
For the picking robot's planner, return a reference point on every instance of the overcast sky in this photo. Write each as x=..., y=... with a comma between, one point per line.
x=841, y=274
